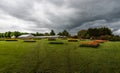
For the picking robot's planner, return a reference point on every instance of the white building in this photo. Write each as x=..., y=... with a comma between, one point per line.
x=13, y=37
x=43, y=37
x=26, y=36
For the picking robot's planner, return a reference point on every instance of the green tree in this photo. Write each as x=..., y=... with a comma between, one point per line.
x=52, y=32
x=16, y=33
x=8, y=34
x=65, y=33
x=83, y=34
x=60, y=34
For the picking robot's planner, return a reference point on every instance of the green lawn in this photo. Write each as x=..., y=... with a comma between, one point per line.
x=42, y=57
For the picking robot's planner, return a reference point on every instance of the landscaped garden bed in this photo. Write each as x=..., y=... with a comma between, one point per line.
x=29, y=41
x=90, y=44
x=11, y=40
x=72, y=40
x=56, y=42
x=51, y=39
x=100, y=41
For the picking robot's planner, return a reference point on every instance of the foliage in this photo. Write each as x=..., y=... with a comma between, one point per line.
x=51, y=39
x=64, y=33
x=29, y=41
x=83, y=34
x=52, y=32
x=90, y=44
x=11, y=40
x=56, y=42
x=72, y=40
x=94, y=33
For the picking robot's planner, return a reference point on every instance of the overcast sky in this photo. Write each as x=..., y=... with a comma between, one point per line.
x=72, y=15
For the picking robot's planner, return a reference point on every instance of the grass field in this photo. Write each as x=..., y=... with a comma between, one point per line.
x=42, y=57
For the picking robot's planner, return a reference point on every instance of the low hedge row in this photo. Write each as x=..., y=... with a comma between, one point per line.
x=11, y=40
x=90, y=44
x=72, y=40
x=51, y=39
x=100, y=41
x=56, y=43
x=29, y=41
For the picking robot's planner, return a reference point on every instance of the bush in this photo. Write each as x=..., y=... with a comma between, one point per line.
x=72, y=40
x=11, y=40
x=51, y=39
x=2, y=39
x=56, y=43
x=29, y=41
x=90, y=44
x=100, y=41
x=114, y=38
x=37, y=38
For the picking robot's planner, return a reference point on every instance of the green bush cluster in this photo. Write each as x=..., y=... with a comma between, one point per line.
x=51, y=39
x=72, y=40
x=11, y=40
x=110, y=38
x=56, y=43
x=29, y=41
x=89, y=45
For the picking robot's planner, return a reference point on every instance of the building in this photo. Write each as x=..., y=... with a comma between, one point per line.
x=44, y=37
x=26, y=36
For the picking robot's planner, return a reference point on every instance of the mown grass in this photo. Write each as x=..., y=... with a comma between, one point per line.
x=41, y=57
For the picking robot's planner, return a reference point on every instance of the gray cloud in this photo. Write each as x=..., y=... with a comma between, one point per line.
x=73, y=15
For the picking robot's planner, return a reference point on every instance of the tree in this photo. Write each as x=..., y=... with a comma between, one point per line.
x=52, y=32
x=16, y=33
x=65, y=33
x=83, y=34
x=8, y=34
x=46, y=34
x=60, y=34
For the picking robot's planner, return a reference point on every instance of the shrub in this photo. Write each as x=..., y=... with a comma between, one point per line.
x=90, y=44
x=2, y=39
x=51, y=39
x=56, y=43
x=29, y=41
x=11, y=40
x=114, y=38
x=72, y=40
x=100, y=41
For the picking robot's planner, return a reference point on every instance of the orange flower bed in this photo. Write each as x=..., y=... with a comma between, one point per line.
x=100, y=41
x=90, y=44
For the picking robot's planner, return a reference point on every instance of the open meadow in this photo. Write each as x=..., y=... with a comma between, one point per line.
x=43, y=57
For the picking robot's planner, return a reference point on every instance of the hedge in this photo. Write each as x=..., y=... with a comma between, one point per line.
x=29, y=41
x=90, y=44
x=56, y=43
x=72, y=40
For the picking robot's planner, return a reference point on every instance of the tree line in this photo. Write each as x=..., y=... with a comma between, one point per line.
x=9, y=34
x=91, y=33
x=94, y=33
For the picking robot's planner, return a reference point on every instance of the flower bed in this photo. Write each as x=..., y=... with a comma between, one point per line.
x=11, y=40
x=2, y=39
x=90, y=44
x=56, y=42
x=100, y=41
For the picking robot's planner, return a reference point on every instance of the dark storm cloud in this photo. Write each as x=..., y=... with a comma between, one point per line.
x=72, y=15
